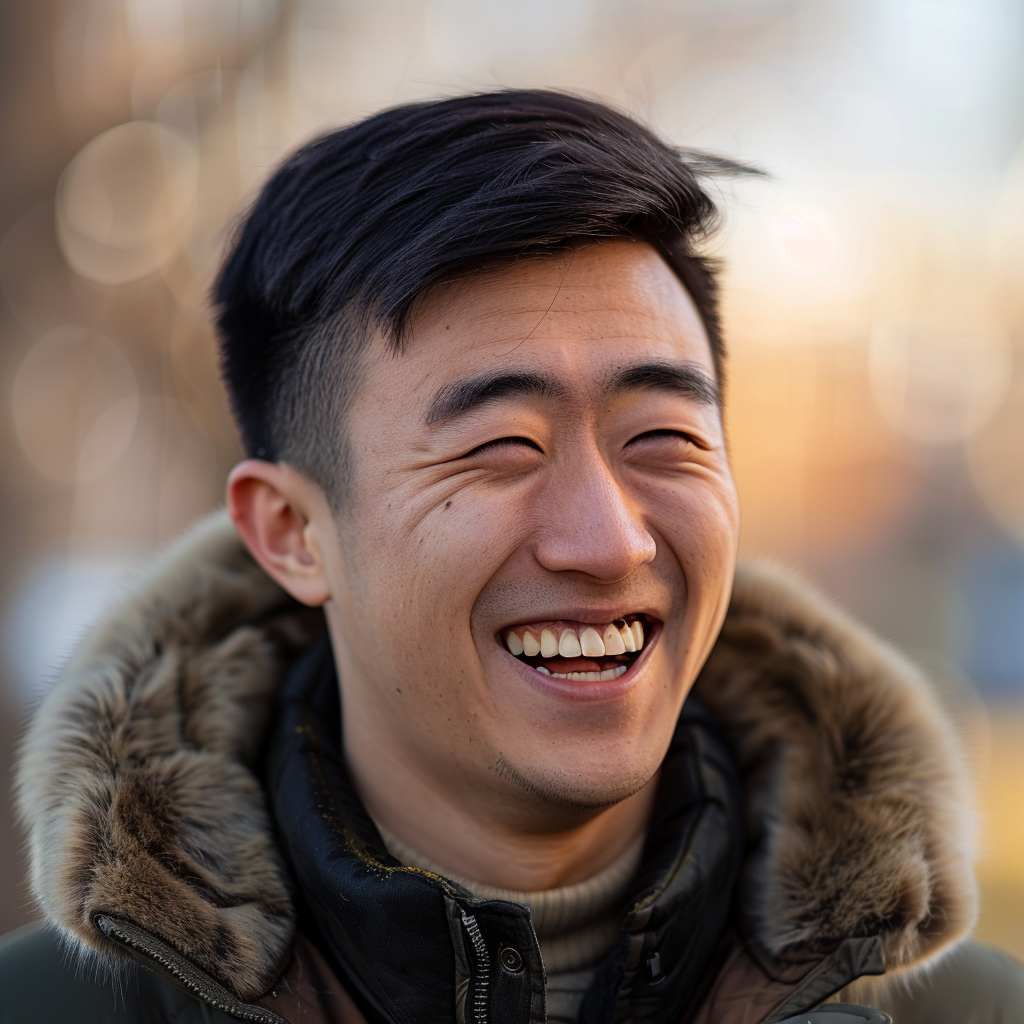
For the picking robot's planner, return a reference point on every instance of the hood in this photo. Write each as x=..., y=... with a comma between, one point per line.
x=138, y=780
x=857, y=795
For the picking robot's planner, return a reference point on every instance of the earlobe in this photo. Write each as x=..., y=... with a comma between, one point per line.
x=270, y=509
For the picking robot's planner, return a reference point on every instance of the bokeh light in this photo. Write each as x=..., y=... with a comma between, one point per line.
x=124, y=202
x=75, y=402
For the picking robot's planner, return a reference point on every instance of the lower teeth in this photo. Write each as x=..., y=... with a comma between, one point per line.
x=586, y=677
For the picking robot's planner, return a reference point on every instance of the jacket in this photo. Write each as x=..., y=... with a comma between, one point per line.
x=188, y=808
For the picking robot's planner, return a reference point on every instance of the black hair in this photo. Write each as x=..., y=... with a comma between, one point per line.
x=358, y=223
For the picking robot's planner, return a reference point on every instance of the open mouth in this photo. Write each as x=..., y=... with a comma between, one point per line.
x=577, y=650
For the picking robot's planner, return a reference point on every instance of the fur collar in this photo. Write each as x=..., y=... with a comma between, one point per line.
x=137, y=781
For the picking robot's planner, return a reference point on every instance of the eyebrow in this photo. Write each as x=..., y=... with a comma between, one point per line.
x=462, y=396
x=685, y=379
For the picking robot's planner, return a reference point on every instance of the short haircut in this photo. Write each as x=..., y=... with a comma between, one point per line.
x=353, y=227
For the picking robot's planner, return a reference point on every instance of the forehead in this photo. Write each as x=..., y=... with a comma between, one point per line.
x=578, y=313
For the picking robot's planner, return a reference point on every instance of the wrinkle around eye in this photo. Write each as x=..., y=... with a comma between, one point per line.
x=670, y=452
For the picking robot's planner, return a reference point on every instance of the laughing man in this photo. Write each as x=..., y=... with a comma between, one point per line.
x=466, y=713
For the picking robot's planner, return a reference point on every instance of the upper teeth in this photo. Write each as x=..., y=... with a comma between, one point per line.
x=548, y=644
x=573, y=642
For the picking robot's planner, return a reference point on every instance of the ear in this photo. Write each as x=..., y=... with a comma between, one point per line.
x=272, y=506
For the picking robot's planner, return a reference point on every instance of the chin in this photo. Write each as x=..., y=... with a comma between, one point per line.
x=569, y=788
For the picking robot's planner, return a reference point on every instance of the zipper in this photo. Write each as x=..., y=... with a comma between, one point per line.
x=483, y=968
x=165, y=960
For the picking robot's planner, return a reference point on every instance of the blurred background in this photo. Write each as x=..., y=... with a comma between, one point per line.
x=874, y=294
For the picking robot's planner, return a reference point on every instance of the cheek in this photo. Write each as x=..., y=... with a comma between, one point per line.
x=429, y=589
x=699, y=516
x=424, y=575
x=700, y=524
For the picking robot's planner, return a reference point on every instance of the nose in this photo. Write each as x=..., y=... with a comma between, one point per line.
x=591, y=525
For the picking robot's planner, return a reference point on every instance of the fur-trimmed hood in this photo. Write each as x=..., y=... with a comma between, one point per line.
x=137, y=776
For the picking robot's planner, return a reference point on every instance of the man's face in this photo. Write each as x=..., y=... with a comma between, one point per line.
x=543, y=465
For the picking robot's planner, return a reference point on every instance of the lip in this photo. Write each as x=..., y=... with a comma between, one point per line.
x=587, y=616
x=578, y=692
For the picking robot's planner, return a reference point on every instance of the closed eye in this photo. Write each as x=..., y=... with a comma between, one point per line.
x=502, y=442
x=665, y=434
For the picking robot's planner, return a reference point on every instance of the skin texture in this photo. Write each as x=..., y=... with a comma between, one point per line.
x=586, y=503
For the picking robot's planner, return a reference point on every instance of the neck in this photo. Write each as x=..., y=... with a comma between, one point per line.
x=469, y=834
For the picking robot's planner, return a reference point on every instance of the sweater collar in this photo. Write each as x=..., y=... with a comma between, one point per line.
x=399, y=936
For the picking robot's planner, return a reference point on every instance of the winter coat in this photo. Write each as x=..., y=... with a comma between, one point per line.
x=189, y=809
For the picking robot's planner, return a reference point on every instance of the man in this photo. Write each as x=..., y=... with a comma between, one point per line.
x=545, y=753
